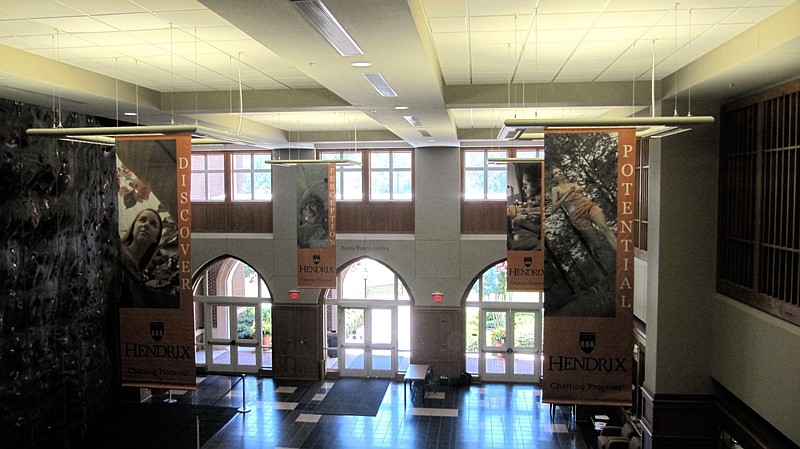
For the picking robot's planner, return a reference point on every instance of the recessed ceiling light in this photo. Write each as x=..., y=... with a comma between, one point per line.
x=130, y=113
x=361, y=64
x=401, y=108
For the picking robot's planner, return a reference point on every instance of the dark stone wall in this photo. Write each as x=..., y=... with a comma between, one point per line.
x=57, y=225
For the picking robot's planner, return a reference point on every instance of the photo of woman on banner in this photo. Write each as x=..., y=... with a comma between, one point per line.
x=148, y=232
x=580, y=224
x=524, y=218
x=312, y=208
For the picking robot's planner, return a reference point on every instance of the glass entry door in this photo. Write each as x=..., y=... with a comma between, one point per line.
x=368, y=343
x=510, y=345
x=234, y=338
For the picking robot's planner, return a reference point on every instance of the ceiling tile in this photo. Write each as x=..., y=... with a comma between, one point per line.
x=447, y=24
x=75, y=24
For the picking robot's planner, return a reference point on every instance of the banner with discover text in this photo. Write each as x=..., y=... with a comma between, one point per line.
x=156, y=318
x=588, y=266
x=316, y=226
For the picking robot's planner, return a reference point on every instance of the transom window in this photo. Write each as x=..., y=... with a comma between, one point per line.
x=208, y=177
x=484, y=180
x=231, y=176
x=390, y=175
x=251, y=177
x=349, y=185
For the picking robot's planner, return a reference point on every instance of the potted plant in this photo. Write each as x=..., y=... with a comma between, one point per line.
x=266, y=327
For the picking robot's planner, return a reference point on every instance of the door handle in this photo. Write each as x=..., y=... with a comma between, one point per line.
x=510, y=350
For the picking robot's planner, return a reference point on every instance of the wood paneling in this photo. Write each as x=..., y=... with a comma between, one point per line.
x=375, y=218
x=437, y=339
x=483, y=217
x=678, y=421
x=232, y=217
x=296, y=342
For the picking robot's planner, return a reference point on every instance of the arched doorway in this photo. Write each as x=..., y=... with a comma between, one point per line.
x=233, y=318
x=503, y=329
x=367, y=321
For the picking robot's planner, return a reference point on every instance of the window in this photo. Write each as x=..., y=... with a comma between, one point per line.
x=759, y=205
x=208, y=177
x=251, y=177
x=349, y=185
x=482, y=180
x=640, y=220
x=390, y=175
x=487, y=181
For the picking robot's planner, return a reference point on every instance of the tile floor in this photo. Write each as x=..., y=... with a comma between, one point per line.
x=480, y=416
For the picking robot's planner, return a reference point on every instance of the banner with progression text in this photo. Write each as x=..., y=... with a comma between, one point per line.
x=316, y=225
x=588, y=281
x=524, y=231
x=156, y=317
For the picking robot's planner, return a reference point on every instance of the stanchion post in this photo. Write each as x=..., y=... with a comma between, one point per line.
x=244, y=408
x=197, y=430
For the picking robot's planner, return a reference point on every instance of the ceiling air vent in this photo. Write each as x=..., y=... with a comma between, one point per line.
x=318, y=15
x=380, y=84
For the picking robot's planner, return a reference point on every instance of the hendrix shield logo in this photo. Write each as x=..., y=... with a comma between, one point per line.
x=528, y=261
x=156, y=330
x=316, y=258
x=587, y=341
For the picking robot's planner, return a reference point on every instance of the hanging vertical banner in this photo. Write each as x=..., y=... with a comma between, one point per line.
x=155, y=303
x=588, y=266
x=525, y=236
x=316, y=226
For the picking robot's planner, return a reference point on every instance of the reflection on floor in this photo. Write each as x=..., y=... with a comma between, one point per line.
x=281, y=415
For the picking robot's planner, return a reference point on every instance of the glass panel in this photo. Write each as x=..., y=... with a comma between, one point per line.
x=381, y=323
x=402, y=185
x=266, y=335
x=246, y=355
x=474, y=292
x=472, y=327
x=524, y=330
x=221, y=354
x=474, y=159
x=198, y=162
x=262, y=186
x=402, y=160
x=495, y=329
x=351, y=187
x=242, y=186
x=473, y=185
x=260, y=161
x=354, y=325
x=382, y=359
x=198, y=186
x=241, y=162
x=216, y=186
x=246, y=322
x=496, y=185
x=495, y=363
x=379, y=185
x=379, y=159
x=404, y=328
x=220, y=328
x=524, y=363
x=354, y=358
x=497, y=154
x=215, y=162
x=494, y=285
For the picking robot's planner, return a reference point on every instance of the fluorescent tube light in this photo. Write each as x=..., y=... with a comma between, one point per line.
x=318, y=15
